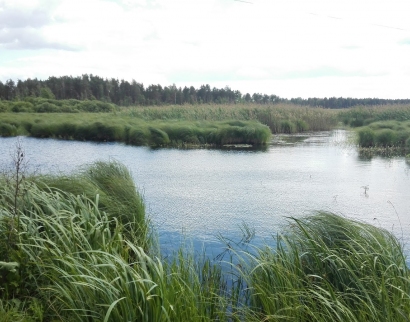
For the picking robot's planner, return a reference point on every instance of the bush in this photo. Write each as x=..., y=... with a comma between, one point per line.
x=20, y=107
x=46, y=108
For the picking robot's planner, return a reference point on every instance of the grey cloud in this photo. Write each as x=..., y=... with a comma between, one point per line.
x=13, y=18
x=28, y=38
x=19, y=17
x=21, y=28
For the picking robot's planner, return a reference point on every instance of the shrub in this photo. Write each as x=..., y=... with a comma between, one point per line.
x=22, y=106
x=46, y=108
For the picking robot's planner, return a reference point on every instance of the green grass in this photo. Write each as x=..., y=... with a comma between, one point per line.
x=135, y=131
x=361, y=115
x=328, y=268
x=281, y=118
x=385, y=134
x=78, y=248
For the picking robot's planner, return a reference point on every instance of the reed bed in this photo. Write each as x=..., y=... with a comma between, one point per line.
x=76, y=251
x=385, y=134
x=364, y=115
x=329, y=268
x=281, y=118
x=134, y=131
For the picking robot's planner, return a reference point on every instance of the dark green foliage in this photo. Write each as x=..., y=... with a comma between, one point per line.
x=124, y=93
x=3, y=107
x=301, y=126
x=329, y=268
x=7, y=129
x=46, y=107
x=287, y=127
x=158, y=137
x=42, y=130
x=19, y=107
x=138, y=136
x=386, y=137
x=366, y=137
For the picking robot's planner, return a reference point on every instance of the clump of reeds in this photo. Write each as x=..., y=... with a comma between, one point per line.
x=364, y=115
x=281, y=118
x=329, y=268
x=385, y=134
x=107, y=127
x=77, y=254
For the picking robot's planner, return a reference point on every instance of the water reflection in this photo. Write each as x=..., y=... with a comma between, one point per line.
x=199, y=193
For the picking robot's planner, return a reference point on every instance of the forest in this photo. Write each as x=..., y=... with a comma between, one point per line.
x=125, y=93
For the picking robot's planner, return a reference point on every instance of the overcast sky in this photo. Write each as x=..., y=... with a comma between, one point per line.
x=290, y=48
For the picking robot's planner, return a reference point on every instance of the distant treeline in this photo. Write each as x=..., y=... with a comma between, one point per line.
x=124, y=93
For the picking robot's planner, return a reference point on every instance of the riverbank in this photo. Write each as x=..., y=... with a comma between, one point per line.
x=108, y=127
x=70, y=256
x=194, y=125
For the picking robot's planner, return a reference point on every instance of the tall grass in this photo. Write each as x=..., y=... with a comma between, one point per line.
x=362, y=115
x=281, y=118
x=108, y=127
x=77, y=253
x=328, y=268
x=385, y=134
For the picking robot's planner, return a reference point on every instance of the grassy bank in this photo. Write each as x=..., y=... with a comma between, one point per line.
x=281, y=118
x=160, y=126
x=77, y=248
x=132, y=130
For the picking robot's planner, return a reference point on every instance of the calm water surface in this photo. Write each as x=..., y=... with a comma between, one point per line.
x=201, y=193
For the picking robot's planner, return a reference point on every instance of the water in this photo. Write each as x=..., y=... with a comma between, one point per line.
x=201, y=193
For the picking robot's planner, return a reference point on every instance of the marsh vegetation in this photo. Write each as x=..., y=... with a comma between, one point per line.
x=79, y=248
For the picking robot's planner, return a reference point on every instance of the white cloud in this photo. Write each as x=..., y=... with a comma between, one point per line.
x=284, y=47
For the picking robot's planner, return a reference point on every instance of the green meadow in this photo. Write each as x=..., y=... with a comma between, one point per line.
x=80, y=248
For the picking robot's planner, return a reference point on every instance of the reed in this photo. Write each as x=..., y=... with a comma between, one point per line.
x=329, y=268
x=79, y=253
x=300, y=118
x=361, y=115
x=120, y=128
x=385, y=134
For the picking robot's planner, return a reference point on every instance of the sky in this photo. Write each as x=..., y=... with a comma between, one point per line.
x=290, y=48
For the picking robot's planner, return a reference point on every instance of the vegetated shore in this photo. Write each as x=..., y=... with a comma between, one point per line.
x=378, y=127
x=80, y=248
x=213, y=125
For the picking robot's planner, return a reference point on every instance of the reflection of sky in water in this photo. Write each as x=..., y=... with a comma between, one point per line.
x=200, y=193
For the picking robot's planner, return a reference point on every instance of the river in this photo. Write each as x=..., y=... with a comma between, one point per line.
x=197, y=194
